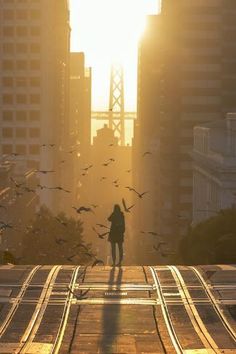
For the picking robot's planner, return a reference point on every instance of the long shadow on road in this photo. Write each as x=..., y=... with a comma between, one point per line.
x=111, y=315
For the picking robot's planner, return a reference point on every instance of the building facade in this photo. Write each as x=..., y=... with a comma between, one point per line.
x=214, y=177
x=34, y=85
x=186, y=77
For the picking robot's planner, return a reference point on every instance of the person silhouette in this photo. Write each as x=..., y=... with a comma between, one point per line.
x=116, y=234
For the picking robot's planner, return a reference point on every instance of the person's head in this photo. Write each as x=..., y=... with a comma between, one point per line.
x=117, y=208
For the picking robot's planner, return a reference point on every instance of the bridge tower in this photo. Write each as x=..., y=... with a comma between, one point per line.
x=116, y=102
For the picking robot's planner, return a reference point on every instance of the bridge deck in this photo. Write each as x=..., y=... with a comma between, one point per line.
x=162, y=309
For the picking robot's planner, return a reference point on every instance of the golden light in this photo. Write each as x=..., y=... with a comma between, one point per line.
x=107, y=31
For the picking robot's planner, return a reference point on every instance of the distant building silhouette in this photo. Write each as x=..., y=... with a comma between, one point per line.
x=34, y=79
x=79, y=124
x=186, y=76
x=214, y=177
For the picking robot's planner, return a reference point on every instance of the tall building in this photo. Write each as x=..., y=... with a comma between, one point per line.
x=34, y=82
x=214, y=174
x=186, y=76
x=80, y=121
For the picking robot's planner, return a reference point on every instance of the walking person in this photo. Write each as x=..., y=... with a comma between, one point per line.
x=116, y=234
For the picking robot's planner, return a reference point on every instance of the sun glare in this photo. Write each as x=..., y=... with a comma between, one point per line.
x=108, y=31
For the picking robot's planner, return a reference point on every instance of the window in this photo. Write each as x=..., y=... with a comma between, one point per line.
x=21, y=149
x=34, y=132
x=8, y=48
x=34, y=99
x=7, y=81
x=21, y=115
x=20, y=132
x=21, y=64
x=7, y=149
x=7, y=99
x=34, y=149
x=21, y=98
x=22, y=31
x=8, y=31
x=8, y=15
x=21, y=81
x=35, y=48
x=35, y=64
x=22, y=14
x=35, y=31
x=35, y=81
x=21, y=48
x=7, y=64
x=7, y=115
x=35, y=14
x=7, y=132
x=34, y=115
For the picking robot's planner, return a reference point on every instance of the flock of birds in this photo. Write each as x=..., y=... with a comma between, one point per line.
x=20, y=188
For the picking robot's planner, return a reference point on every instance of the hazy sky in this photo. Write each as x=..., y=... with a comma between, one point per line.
x=107, y=31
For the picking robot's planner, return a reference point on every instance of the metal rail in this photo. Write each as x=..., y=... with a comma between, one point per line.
x=193, y=314
x=17, y=301
x=166, y=315
x=216, y=307
x=64, y=320
x=39, y=311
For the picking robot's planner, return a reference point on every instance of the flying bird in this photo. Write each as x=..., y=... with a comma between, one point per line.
x=127, y=209
x=147, y=153
x=96, y=262
x=103, y=226
x=70, y=258
x=81, y=296
x=157, y=248
x=101, y=236
x=59, y=188
x=44, y=171
x=87, y=168
x=83, y=208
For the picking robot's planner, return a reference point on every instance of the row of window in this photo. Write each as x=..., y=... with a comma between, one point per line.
x=21, y=14
x=20, y=115
x=8, y=81
x=21, y=99
x=21, y=48
x=21, y=149
x=21, y=64
x=20, y=132
x=21, y=31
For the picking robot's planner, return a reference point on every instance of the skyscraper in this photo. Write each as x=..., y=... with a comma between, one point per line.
x=34, y=80
x=186, y=76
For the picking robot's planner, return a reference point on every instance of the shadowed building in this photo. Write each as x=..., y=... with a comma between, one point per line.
x=214, y=175
x=34, y=82
x=186, y=77
x=79, y=125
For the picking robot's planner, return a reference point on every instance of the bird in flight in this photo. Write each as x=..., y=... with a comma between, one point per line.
x=157, y=248
x=101, y=236
x=59, y=188
x=83, y=209
x=96, y=262
x=140, y=195
x=44, y=171
x=103, y=226
x=127, y=209
x=87, y=168
x=81, y=296
x=147, y=153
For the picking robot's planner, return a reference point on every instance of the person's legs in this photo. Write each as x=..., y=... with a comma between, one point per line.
x=113, y=252
x=120, y=245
